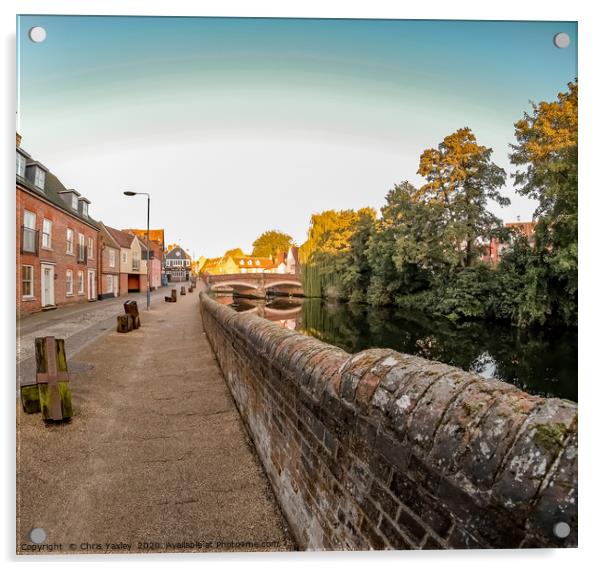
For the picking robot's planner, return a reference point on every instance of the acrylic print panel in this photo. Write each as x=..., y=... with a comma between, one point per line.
x=295, y=284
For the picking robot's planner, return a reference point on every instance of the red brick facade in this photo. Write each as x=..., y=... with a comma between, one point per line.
x=55, y=261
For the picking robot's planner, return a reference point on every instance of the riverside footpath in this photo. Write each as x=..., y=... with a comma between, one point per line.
x=156, y=457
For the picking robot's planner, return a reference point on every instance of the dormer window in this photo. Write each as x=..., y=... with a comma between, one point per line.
x=85, y=208
x=40, y=178
x=74, y=202
x=20, y=165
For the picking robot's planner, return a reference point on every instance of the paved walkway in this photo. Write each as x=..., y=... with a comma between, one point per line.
x=156, y=457
x=78, y=324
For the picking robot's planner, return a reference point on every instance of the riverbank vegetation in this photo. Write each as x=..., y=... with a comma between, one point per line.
x=427, y=249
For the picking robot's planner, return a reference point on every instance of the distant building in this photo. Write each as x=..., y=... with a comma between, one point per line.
x=253, y=264
x=132, y=266
x=57, y=240
x=220, y=266
x=154, y=258
x=292, y=261
x=495, y=248
x=227, y=265
x=177, y=264
x=157, y=252
x=109, y=265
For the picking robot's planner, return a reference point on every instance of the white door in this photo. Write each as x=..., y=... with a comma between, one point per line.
x=47, y=285
x=91, y=285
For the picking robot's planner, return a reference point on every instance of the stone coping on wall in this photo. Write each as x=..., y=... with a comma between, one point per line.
x=426, y=455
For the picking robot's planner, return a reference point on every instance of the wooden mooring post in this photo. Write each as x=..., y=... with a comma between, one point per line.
x=183, y=290
x=125, y=323
x=131, y=308
x=51, y=394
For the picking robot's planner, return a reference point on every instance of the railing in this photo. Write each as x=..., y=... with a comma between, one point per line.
x=29, y=240
x=82, y=254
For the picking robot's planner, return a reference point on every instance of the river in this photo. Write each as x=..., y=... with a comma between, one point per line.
x=541, y=362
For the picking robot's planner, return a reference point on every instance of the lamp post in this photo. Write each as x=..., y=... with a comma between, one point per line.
x=129, y=193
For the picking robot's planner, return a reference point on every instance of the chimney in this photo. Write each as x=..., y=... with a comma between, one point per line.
x=18, y=139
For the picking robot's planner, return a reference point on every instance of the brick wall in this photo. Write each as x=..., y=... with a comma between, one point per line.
x=57, y=255
x=123, y=284
x=384, y=450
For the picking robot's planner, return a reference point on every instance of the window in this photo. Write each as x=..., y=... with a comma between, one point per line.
x=74, y=201
x=257, y=262
x=47, y=234
x=81, y=247
x=69, y=241
x=40, y=178
x=27, y=280
x=111, y=258
x=69, y=282
x=20, y=165
x=124, y=257
x=90, y=247
x=85, y=208
x=109, y=283
x=249, y=262
x=135, y=261
x=30, y=239
x=80, y=282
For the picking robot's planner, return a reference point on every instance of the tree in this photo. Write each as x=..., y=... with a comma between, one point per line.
x=547, y=156
x=236, y=252
x=330, y=257
x=271, y=243
x=460, y=181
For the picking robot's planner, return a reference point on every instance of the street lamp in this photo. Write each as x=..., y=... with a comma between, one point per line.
x=130, y=193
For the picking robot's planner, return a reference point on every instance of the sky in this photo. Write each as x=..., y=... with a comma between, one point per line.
x=237, y=126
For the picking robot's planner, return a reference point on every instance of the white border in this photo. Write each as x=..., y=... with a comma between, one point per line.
x=590, y=197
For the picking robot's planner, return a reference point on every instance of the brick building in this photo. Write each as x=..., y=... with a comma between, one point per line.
x=57, y=240
x=494, y=250
x=132, y=264
x=156, y=248
x=109, y=265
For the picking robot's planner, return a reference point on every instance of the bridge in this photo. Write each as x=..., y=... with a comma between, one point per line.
x=256, y=284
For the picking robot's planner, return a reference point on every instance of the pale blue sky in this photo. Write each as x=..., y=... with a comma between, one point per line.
x=236, y=126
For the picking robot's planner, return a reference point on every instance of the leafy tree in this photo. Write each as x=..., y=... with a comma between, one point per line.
x=332, y=254
x=236, y=252
x=271, y=243
x=460, y=181
x=547, y=156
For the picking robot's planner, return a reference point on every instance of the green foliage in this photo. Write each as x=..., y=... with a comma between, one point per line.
x=424, y=251
x=547, y=156
x=271, y=243
x=236, y=252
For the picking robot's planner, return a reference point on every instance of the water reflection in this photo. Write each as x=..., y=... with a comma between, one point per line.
x=285, y=312
x=542, y=362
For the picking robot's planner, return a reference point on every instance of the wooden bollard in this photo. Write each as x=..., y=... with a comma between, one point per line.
x=51, y=394
x=174, y=296
x=131, y=308
x=125, y=323
x=183, y=290
x=190, y=289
